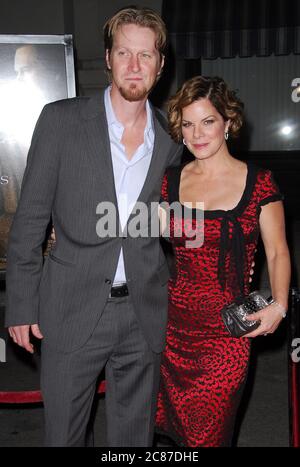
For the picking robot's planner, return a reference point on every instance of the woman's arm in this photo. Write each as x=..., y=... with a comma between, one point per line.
x=272, y=228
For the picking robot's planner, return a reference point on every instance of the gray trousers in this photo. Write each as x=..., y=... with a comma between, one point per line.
x=68, y=382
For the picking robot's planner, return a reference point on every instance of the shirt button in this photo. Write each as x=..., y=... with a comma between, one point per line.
x=107, y=281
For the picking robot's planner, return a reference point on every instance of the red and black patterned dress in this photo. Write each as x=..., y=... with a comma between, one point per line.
x=203, y=369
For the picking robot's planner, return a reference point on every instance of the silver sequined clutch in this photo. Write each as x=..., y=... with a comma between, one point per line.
x=235, y=314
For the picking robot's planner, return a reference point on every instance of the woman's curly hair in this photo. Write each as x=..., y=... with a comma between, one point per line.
x=201, y=87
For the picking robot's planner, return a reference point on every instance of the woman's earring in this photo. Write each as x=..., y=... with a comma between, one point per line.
x=184, y=141
x=226, y=134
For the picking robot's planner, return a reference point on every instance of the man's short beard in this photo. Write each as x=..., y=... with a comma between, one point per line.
x=134, y=94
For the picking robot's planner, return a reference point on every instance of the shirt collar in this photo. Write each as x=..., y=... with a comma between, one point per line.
x=112, y=119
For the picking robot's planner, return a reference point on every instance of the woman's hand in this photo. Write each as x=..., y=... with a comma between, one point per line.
x=52, y=235
x=251, y=271
x=270, y=317
x=163, y=220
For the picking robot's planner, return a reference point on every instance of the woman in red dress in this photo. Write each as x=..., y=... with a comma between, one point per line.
x=204, y=369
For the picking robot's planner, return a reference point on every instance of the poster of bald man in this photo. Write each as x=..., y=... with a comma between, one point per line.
x=34, y=70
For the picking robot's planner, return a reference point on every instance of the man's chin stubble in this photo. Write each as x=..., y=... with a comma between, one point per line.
x=133, y=94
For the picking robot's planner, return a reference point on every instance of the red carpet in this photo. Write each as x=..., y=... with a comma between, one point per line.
x=29, y=397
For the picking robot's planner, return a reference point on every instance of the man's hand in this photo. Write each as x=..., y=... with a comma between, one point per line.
x=20, y=335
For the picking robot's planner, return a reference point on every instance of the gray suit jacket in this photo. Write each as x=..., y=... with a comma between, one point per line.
x=69, y=171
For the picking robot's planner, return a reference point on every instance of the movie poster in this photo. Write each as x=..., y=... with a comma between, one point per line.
x=34, y=70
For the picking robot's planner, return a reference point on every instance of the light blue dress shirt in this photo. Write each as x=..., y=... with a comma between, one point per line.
x=129, y=175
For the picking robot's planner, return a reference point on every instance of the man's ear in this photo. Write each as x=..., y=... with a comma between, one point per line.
x=107, y=59
x=161, y=65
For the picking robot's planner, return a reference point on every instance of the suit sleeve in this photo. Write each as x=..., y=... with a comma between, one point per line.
x=175, y=157
x=27, y=234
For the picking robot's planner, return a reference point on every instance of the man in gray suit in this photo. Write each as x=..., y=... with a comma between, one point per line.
x=97, y=301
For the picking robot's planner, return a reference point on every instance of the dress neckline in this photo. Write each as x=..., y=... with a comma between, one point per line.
x=212, y=213
x=226, y=217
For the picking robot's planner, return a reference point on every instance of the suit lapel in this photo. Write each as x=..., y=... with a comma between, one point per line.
x=99, y=151
x=158, y=161
x=160, y=150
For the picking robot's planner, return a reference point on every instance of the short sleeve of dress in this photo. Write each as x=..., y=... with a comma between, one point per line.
x=268, y=190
